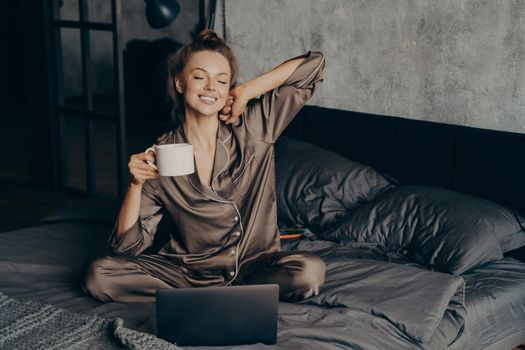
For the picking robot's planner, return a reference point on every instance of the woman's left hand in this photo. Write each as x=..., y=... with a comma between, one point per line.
x=234, y=107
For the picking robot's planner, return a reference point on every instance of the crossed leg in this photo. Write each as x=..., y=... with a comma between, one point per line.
x=131, y=279
x=298, y=274
x=136, y=279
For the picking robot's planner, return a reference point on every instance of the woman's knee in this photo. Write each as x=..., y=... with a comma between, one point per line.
x=98, y=280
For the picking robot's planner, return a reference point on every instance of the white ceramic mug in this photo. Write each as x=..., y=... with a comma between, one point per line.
x=174, y=159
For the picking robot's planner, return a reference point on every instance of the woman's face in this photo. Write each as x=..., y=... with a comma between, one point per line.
x=205, y=82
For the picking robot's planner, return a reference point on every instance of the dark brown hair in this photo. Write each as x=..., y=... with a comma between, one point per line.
x=206, y=40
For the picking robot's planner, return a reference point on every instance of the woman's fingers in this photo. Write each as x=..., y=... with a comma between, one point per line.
x=136, y=170
x=146, y=156
x=237, y=107
x=142, y=165
x=140, y=174
x=223, y=114
x=234, y=115
x=141, y=162
x=139, y=169
x=230, y=121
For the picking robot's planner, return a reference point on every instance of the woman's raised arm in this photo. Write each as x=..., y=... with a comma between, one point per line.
x=284, y=89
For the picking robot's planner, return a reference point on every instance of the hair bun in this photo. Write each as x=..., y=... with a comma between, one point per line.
x=208, y=35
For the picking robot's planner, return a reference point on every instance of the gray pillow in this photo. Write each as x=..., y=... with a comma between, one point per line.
x=513, y=240
x=446, y=230
x=316, y=187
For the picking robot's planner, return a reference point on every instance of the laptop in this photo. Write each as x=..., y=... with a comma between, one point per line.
x=215, y=316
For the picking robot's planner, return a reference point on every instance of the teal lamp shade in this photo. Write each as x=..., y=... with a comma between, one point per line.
x=160, y=13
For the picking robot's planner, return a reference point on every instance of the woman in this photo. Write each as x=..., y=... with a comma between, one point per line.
x=225, y=217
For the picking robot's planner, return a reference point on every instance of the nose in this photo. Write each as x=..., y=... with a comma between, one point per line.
x=209, y=86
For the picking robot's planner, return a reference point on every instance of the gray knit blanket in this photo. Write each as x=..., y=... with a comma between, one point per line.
x=31, y=325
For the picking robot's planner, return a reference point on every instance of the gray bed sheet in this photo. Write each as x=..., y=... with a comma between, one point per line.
x=45, y=263
x=496, y=305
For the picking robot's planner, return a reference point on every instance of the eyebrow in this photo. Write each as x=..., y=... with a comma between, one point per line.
x=199, y=68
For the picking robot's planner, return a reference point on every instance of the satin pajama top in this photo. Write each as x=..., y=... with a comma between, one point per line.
x=219, y=228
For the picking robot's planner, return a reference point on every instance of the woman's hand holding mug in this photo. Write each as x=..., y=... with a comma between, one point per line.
x=141, y=167
x=161, y=160
x=174, y=159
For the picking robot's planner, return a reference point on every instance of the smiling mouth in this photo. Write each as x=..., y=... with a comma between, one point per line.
x=208, y=99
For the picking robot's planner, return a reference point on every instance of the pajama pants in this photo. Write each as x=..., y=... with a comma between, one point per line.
x=136, y=279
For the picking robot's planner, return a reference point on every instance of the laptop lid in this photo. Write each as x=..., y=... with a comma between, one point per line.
x=216, y=316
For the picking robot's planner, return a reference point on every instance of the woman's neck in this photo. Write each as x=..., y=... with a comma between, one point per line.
x=201, y=130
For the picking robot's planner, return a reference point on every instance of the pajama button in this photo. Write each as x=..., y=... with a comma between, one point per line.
x=232, y=273
x=232, y=252
x=236, y=218
x=237, y=234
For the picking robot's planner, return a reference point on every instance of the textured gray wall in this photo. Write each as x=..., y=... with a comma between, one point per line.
x=450, y=61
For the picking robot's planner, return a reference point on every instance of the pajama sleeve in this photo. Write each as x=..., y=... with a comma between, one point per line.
x=268, y=116
x=139, y=236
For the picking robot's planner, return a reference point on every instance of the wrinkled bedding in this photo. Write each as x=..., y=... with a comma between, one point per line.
x=370, y=300
x=442, y=229
x=375, y=296
x=495, y=304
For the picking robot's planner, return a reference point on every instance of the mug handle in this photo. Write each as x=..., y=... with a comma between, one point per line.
x=153, y=149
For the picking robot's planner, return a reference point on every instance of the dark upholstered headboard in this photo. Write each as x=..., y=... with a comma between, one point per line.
x=484, y=163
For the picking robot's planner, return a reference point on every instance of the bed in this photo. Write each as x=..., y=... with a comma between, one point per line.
x=408, y=267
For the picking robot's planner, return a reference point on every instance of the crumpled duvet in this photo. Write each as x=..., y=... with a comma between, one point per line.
x=411, y=299
x=369, y=304
x=372, y=298
x=426, y=308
